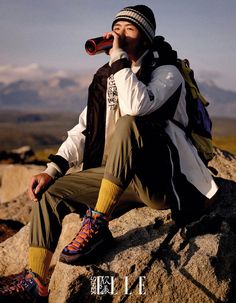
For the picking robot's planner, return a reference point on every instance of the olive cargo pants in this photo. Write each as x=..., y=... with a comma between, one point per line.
x=135, y=163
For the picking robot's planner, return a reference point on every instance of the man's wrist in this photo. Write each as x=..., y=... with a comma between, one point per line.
x=117, y=54
x=53, y=170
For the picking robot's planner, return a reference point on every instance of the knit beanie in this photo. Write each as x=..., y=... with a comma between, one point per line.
x=141, y=16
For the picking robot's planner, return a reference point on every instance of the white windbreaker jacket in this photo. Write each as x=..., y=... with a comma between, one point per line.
x=126, y=95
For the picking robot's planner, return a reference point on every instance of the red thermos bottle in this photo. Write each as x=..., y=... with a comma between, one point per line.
x=98, y=45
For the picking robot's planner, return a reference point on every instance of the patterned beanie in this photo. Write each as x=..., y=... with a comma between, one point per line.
x=141, y=16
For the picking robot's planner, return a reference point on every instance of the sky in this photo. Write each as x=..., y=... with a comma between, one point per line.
x=52, y=34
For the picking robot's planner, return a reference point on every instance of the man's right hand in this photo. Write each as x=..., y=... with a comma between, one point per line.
x=38, y=185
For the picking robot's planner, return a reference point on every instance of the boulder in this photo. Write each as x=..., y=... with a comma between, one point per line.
x=198, y=268
x=3, y=167
x=13, y=252
x=15, y=180
x=151, y=260
x=17, y=209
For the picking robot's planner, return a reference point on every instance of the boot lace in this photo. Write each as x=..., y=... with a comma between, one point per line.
x=90, y=226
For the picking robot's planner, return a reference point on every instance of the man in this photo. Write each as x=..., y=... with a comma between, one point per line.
x=127, y=144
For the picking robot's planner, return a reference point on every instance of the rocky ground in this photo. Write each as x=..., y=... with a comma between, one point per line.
x=151, y=261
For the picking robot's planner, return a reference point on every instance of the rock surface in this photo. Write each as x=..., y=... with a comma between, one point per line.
x=15, y=180
x=193, y=265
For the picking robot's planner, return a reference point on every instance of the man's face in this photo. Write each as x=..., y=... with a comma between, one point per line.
x=130, y=36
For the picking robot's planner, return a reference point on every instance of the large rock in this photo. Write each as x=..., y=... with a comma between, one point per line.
x=14, y=200
x=195, y=264
x=14, y=252
x=18, y=209
x=198, y=269
x=15, y=180
x=225, y=164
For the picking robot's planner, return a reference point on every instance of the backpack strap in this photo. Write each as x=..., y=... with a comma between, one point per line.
x=188, y=75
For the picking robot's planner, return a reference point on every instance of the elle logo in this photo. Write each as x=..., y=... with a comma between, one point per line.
x=102, y=285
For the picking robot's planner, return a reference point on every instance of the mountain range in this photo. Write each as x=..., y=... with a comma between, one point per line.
x=35, y=89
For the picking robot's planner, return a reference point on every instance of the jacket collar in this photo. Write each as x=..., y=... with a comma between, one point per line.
x=136, y=66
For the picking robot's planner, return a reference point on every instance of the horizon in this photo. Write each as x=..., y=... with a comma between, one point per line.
x=35, y=72
x=51, y=35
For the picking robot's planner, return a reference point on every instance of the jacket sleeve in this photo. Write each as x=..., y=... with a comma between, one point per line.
x=71, y=151
x=136, y=98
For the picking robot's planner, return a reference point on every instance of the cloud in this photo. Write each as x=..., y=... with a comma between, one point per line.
x=32, y=72
x=11, y=73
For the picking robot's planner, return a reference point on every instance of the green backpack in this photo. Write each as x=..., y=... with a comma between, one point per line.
x=200, y=124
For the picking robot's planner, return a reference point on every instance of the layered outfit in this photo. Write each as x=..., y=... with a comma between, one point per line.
x=126, y=135
x=128, y=149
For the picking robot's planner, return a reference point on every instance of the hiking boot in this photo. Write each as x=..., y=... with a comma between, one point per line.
x=14, y=277
x=23, y=287
x=93, y=235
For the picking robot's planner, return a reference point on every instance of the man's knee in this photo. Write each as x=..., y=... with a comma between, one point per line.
x=126, y=121
x=50, y=196
x=60, y=189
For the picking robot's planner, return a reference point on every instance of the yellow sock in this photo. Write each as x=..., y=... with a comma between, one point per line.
x=39, y=261
x=108, y=197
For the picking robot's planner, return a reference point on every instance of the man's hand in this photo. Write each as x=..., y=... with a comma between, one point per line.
x=117, y=40
x=39, y=183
